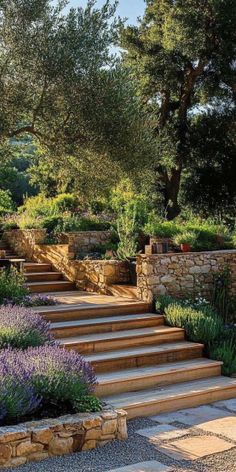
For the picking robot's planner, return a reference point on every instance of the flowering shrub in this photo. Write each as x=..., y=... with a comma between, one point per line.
x=18, y=396
x=42, y=379
x=38, y=300
x=21, y=327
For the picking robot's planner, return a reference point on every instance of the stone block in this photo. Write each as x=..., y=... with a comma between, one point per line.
x=5, y=453
x=27, y=447
x=60, y=446
x=43, y=436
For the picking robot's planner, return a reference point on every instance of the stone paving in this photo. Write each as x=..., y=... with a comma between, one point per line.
x=201, y=439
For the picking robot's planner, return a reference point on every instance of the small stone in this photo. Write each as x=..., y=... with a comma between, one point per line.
x=93, y=434
x=109, y=427
x=27, y=447
x=92, y=423
x=43, y=436
x=38, y=456
x=5, y=453
x=109, y=415
x=91, y=444
x=60, y=446
x=16, y=461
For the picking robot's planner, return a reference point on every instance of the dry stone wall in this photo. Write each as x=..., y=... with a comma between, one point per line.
x=93, y=276
x=84, y=241
x=182, y=274
x=38, y=440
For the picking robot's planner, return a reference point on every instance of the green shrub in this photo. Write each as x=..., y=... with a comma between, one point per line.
x=64, y=202
x=75, y=223
x=37, y=206
x=187, y=237
x=126, y=229
x=225, y=352
x=199, y=326
x=12, y=287
x=161, y=229
x=50, y=223
x=6, y=202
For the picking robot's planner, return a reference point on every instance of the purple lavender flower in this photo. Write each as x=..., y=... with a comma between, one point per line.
x=21, y=327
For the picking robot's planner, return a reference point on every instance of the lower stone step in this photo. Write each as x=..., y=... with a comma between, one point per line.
x=175, y=397
x=127, y=291
x=123, y=339
x=44, y=287
x=143, y=378
x=144, y=356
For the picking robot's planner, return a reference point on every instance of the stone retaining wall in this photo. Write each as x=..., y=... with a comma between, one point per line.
x=92, y=276
x=84, y=241
x=182, y=274
x=39, y=440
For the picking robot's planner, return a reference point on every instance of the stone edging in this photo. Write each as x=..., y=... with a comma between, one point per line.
x=38, y=440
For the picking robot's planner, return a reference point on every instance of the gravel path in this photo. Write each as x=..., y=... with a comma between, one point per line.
x=134, y=450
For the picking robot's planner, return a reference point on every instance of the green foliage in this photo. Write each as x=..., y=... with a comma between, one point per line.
x=124, y=198
x=76, y=223
x=6, y=202
x=221, y=298
x=87, y=403
x=225, y=352
x=187, y=237
x=12, y=287
x=160, y=228
x=127, y=232
x=64, y=202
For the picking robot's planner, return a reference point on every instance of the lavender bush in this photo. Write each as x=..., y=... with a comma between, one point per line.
x=38, y=300
x=21, y=328
x=44, y=378
x=18, y=396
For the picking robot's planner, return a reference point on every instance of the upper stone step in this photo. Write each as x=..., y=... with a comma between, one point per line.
x=57, y=286
x=37, y=267
x=42, y=276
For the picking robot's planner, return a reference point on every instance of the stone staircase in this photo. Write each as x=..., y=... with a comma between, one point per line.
x=142, y=365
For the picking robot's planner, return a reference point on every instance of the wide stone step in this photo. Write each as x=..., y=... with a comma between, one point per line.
x=104, y=325
x=42, y=276
x=172, y=398
x=90, y=311
x=149, y=377
x=44, y=287
x=144, y=356
x=122, y=339
x=37, y=267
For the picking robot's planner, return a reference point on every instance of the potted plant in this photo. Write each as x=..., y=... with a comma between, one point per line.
x=185, y=240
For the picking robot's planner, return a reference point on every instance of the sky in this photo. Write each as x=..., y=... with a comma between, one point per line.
x=130, y=9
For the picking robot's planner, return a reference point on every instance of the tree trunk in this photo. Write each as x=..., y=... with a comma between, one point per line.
x=171, y=193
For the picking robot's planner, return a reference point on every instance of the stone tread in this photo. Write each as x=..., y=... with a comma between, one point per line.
x=86, y=305
x=107, y=320
x=163, y=394
x=51, y=282
x=142, y=332
x=139, y=372
x=136, y=351
x=28, y=274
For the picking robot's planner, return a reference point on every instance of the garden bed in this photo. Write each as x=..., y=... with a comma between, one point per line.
x=39, y=440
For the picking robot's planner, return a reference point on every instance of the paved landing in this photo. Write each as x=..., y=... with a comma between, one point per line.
x=151, y=466
x=85, y=299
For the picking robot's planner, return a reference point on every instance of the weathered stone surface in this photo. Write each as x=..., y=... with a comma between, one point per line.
x=5, y=453
x=93, y=434
x=43, y=436
x=38, y=456
x=162, y=432
x=60, y=446
x=16, y=462
x=12, y=434
x=27, y=447
x=109, y=427
x=92, y=423
x=90, y=444
x=151, y=466
x=194, y=448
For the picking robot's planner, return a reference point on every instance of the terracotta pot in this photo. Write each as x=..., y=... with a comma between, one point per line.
x=185, y=247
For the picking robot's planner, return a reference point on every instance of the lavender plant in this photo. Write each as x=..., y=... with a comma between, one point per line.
x=18, y=396
x=21, y=328
x=42, y=378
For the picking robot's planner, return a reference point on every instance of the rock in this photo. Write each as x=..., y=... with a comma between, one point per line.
x=93, y=434
x=78, y=441
x=27, y=447
x=109, y=427
x=12, y=434
x=60, y=446
x=43, y=436
x=92, y=423
x=16, y=461
x=5, y=453
x=122, y=428
x=91, y=444
x=109, y=415
x=38, y=456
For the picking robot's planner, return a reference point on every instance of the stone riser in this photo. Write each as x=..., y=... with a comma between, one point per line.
x=50, y=287
x=108, y=345
x=38, y=277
